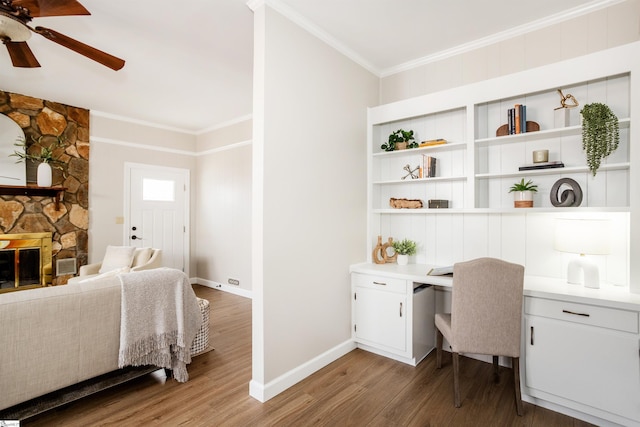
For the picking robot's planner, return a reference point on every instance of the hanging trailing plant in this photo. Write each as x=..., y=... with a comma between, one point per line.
x=600, y=133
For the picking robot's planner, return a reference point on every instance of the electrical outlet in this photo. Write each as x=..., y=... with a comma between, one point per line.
x=233, y=282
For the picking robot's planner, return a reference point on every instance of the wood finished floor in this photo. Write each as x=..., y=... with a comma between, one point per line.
x=359, y=389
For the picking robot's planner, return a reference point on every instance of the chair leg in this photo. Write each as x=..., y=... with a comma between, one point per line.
x=439, y=339
x=515, y=362
x=456, y=380
x=496, y=370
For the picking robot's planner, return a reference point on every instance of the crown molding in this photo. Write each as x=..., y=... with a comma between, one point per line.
x=504, y=35
x=170, y=128
x=228, y=123
x=142, y=146
x=303, y=22
x=140, y=122
x=319, y=33
x=254, y=4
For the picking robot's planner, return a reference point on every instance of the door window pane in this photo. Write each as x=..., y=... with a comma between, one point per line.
x=156, y=190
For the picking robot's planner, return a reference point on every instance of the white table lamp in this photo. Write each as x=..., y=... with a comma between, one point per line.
x=584, y=237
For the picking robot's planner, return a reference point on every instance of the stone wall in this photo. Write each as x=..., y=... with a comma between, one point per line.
x=49, y=121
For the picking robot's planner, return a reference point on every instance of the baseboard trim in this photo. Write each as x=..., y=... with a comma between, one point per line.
x=262, y=392
x=222, y=287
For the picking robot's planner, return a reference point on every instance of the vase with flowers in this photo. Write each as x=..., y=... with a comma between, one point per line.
x=45, y=152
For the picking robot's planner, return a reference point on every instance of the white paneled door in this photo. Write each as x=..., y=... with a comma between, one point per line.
x=158, y=211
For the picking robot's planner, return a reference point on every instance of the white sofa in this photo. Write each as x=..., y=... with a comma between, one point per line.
x=140, y=259
x=57, y=336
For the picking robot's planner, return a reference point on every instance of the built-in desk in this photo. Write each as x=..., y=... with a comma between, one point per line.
x=580, y=346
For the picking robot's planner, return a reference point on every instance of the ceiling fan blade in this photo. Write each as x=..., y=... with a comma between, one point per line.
x=38, y=8
x=21, y=55
x=90, y=52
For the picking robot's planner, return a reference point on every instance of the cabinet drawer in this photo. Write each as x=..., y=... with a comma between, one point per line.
x=379, y=282
x=611, y=318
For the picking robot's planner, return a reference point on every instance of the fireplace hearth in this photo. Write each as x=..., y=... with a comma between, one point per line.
x=25, y=261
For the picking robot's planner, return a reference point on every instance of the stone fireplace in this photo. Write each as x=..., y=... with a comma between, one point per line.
x=64, y=216
x=25, y=261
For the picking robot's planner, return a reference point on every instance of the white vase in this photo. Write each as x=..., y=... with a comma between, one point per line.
x=44, y=175
x=402, y=259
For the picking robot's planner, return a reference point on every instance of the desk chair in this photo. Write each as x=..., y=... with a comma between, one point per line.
x=486, y=315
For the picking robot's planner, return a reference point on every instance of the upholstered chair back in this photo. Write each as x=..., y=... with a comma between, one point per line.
x=486, y=307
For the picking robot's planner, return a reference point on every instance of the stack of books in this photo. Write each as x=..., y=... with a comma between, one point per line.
x=432, y=142
x=517, y=119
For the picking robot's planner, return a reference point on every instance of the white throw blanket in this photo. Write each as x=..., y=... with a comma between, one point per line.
x=160, y=318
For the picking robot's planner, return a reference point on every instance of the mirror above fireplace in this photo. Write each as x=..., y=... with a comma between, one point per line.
x=11, y=173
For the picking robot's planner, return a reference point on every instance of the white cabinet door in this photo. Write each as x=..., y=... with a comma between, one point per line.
x=380, y=318
x=594, y=366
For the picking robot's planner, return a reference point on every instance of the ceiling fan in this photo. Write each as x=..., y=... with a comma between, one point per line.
x=15, y=31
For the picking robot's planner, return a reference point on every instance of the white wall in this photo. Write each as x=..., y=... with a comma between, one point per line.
x=114, y=142
x=603, y=29
x=309, y=199
x=223, y=207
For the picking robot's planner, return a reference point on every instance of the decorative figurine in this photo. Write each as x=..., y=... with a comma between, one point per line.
x=571, y=197
x=413, y=173
x=564, y=99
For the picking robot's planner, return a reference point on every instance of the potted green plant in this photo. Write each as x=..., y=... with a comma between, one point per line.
x=44, y=153
x=399, y=140
x=600, y=133
x=404, y=248
x=523, y=193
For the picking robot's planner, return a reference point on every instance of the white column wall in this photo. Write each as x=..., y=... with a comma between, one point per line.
x=310, y=190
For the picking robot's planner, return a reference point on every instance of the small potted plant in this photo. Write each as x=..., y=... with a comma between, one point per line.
x=600, y=133
x=45, y=154
x=400, y=140
x=404, y=248
x=523, y=193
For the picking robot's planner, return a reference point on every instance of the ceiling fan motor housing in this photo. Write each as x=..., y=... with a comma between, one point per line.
x=12, y=28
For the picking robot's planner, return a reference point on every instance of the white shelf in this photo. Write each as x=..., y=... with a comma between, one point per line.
x=553, y=171
x=541, y=134
x=483, y=211
x=421, y=180
x=422, y=150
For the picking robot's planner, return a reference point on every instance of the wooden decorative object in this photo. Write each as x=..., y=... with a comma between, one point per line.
x=504, y=129
x=380, y=253
x=405, y=203
x=377, y=255
x=385, y=254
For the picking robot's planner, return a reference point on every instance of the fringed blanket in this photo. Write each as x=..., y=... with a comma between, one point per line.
x=160, y=319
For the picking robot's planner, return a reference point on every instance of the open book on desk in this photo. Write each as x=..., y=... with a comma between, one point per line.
x=441, y=271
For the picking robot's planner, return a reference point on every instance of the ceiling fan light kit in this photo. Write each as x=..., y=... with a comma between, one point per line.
x=15, y=31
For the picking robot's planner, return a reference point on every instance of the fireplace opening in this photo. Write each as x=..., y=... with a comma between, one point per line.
x=25, y=261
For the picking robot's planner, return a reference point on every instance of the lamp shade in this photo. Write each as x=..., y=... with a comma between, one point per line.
x=583, y=236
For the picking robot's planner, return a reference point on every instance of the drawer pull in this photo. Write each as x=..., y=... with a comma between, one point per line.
x=400, y=309
x=380, y=283
x=576, y=314
x=532, y=335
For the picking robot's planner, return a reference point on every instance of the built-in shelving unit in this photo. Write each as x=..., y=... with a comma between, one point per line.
x=475, y=171
x=476, y=168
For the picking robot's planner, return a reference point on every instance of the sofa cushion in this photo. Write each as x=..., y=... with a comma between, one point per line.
x=141, y=256
x=117, y=257
x=97, y=277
